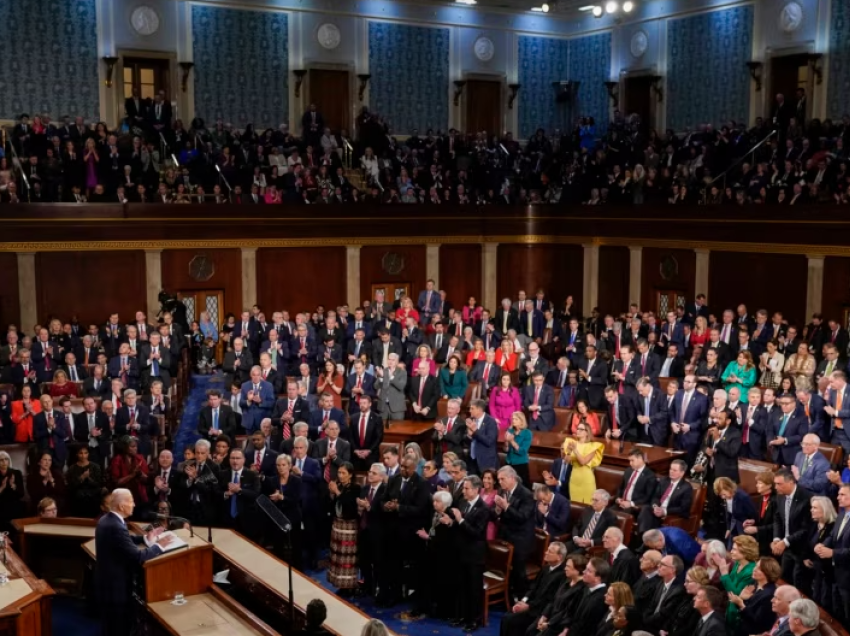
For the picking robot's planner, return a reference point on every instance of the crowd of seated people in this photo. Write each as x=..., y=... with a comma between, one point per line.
x=301, y=420
x=155, y=158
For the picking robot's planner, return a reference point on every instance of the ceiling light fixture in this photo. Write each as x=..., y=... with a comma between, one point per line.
x=470, y=2
x=611, y=6
x=628, y=6
x=545, y=7
x=587, y=7
x=597, y=11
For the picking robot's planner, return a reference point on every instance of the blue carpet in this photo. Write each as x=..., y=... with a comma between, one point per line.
x=187, y=432
x=392, y=617
x=69, y=617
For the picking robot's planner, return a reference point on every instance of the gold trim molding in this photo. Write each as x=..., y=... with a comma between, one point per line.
x=525, y=239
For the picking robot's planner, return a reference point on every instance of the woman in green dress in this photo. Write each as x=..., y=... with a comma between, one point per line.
x=740, y=373
x=734, y=578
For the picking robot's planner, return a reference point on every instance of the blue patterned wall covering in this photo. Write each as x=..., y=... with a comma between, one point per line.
x=839, y=60
x=707, y=76
x=541, y=61
x=590, y=65
x=545, y=60
x=49, y=53
x=410, y=75
x=241, y=66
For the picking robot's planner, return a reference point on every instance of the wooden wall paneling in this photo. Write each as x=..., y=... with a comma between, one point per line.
x=775, y=282
x=299, y=278
x=460, y=272
x=557, y=269
x=90, y=285
x=654, y=277
x=836, y=287
x=372, y=268
x=613, y=294
x=226, y=277
x=10, y=300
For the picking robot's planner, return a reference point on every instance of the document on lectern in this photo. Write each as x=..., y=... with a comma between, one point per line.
x=175, y=544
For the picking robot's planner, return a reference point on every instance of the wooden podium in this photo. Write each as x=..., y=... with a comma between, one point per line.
x=188, y=570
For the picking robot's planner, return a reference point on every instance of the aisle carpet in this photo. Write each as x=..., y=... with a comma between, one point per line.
x=187, y=435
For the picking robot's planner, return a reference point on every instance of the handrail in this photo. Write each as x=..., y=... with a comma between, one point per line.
x=741, y=158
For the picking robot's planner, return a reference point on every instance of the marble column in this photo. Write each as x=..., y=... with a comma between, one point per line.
x=701, y=277
x=635, y=272
x=814, y=285
x=489, y=253
x=590, y=289
x=153, y=281
x=432, y=263
x=352, y=277
x=249, y=276
x=27, y=292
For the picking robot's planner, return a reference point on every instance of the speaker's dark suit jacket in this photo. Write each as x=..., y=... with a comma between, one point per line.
x=119, y=559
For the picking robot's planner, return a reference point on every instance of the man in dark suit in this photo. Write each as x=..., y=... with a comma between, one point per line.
x=120, y=555
x=136, y=110
x=96, y=386
x=332, y=451
x=553, y=512
x=591, y=610
x=673, y=496
x=594, y=521
x=290, y=410
x=384, y=346
x=91, y=428
x=326, y=412
x=787, y=433
x=486, y=372
x=531, y=362
x=74, y=371
x=837, y=547
x=260, y=457
x=370, y=537
x=312, y=124
x=159, y=117
x=310, y=472
x=482, y=431
x=593, y=377
x=124, y=367
x=541, y=593
x=406, y=506
x=538, y=400
x=241, y=487
x=449, y=433
x=365, y=435
x=514, y=507
x=638, y=485
x=838, y=410
x=625, y=372
x=689, y=410
x=217, y=418
x=622, y=422
x=423, y=392
x=696, y=308
x=133, y=419
x=792, y=524
x=302, y=348
x=558, y=477
x=624, y=564
x=531, y=321
x=256, y=399
x=507, y=318
x=237, y=364
x=648, y=362
x=668, y=598
x=653, y=418
x=722, y=446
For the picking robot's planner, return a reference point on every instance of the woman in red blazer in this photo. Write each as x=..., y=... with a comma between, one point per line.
x=505, y=356
x=23, y=411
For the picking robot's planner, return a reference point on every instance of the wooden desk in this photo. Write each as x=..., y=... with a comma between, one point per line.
x=24, y=601
x=210, y=613
x=71, y=528
x=407, y=431
x=266, y=577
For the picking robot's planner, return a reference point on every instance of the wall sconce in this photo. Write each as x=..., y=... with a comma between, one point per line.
x=459, y=84
x=755, y=73
x=186, y=67
x=514, y=88
x=364, y=82
x=299, y=79
x=110, y=61
x=613, y=92
x=815, y=66
x=656, y=88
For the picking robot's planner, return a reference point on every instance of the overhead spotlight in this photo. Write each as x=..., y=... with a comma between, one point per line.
x=587, y=7
x=611, y=7
x=628, y=5
x=545, y=7
x=537, y=9
x=470, y=2
x=597, y=11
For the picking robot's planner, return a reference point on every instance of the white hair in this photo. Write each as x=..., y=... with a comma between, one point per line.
x=379, y=467
x=443, y=497
x=806, y=611
x=129, y=393
x=202, y=443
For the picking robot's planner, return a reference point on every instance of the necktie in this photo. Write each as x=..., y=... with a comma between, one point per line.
x=233, y=512
x=805, y=465
x=685, y=401
x=258, y=459
x=615, y=424
x=215, y=419
x=829, y=368
x=839, y=400
x=133, y=421
x=667, y=492
x=588, y=532
x=363, y=431
x=155, y=364
x=843, y=523
x=787, y=515
x=562, y=379
x=661, y=597
x=327, y=473
x=628, y=491
x=73, y=371
x=536, y=400
x=421, y=390
x=783, y=425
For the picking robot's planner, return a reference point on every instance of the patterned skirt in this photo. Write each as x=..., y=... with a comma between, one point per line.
x=342, y=572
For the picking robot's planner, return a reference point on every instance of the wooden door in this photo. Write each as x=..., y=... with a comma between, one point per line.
x=149, y=75
x=668, y=300
x=787, y=74
x=210, y=301
x=638, y=99
x=329, y=90
x=484, y=106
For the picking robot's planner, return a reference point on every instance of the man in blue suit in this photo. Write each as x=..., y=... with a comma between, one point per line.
x=256, y=399
x=652, y=416
x=124, y=367
x=326, y=412
x=672, y=540
x=50, y=430
x=837, y=547
x=558, y=478
x=811, y=405
x=787, y=432
x=531, y=321
x=310, y=472
x=359, y=322
x=810, y=466
x=621, y=416
x=690, y=408
x=118, y=558
x=673, y=332
x=302, y=348
x=838, y=410
x=484, y=438
x=428, y=302
x=359, y=383
x=553, y=512
x=539, y=402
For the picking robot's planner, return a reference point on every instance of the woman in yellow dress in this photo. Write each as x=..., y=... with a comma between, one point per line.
x=584, y=455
